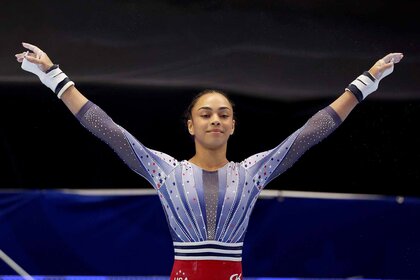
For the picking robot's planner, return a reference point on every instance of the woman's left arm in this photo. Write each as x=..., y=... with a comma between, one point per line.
x=268, y=165
x=364, y=85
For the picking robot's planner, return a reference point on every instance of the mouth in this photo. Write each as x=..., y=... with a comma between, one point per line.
x=215, y=131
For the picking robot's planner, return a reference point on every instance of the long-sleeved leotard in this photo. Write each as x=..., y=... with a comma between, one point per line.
x=208, y=210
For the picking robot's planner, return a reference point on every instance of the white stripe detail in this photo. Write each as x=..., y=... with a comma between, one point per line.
x=209, y=250
x=208, y=242
x=186, y=258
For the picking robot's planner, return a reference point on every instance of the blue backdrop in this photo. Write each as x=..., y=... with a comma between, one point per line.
x=56, y=233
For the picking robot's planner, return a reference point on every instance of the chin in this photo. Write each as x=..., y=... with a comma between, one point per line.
x=216, y=146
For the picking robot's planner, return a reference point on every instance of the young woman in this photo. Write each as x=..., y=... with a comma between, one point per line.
x=207, y=199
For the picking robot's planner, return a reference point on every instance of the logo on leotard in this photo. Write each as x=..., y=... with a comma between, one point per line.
x=180, y=276
x=235, y=277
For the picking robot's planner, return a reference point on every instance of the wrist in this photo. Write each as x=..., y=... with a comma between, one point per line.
x=51, y=67
x=363, y=85
x=56, y=80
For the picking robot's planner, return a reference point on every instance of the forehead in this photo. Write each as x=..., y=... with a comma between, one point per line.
x=212, y=100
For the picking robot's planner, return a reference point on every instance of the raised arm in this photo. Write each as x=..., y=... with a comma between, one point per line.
x=268, y=165
x=364, y=85
x=137, y=156
x=37, y=61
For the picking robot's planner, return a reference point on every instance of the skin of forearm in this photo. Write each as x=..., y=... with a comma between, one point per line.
x=344, y=104
x=73, y=99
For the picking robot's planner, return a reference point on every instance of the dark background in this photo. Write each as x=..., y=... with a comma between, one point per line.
x=281, y=61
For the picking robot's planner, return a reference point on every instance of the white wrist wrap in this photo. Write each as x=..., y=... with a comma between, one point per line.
x=365, y=84
x=55, y=79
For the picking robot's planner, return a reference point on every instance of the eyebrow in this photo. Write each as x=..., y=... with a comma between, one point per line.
x=209, y=108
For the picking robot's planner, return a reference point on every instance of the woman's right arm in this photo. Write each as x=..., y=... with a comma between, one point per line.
x=94, y=119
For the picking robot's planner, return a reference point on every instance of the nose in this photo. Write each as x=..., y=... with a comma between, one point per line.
x=215, y=121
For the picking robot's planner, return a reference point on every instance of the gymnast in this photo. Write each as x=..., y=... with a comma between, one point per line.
x=207, y=199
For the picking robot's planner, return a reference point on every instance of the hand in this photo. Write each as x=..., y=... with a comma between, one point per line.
x=35, y=55
x=368, y=82
x=384, y=66
x=37, y=62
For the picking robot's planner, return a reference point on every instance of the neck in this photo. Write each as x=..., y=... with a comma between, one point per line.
x=209, y=160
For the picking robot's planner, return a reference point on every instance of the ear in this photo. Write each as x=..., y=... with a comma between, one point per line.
x=233, y=127
x=190, y=127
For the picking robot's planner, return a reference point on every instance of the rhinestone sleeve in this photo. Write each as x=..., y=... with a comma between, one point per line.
x=266, y=166
x=95, y=120
x=317, y=128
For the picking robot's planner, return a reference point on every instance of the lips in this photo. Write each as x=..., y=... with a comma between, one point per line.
x=216, y=131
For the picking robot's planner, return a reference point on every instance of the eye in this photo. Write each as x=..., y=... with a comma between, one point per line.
x=205, y=116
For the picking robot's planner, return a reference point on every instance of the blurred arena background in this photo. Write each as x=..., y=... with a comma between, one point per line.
x=280, y=61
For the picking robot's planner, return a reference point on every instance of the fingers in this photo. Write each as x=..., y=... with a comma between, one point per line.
x=20, y=56
x=32, y=48
x=385, y=65
x=32, y=57
x=393, y=58
x=35, y=55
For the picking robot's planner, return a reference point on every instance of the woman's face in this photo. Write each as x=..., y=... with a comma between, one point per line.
x=212, y=121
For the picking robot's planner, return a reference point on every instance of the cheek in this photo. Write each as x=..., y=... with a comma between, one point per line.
x=194, y=126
